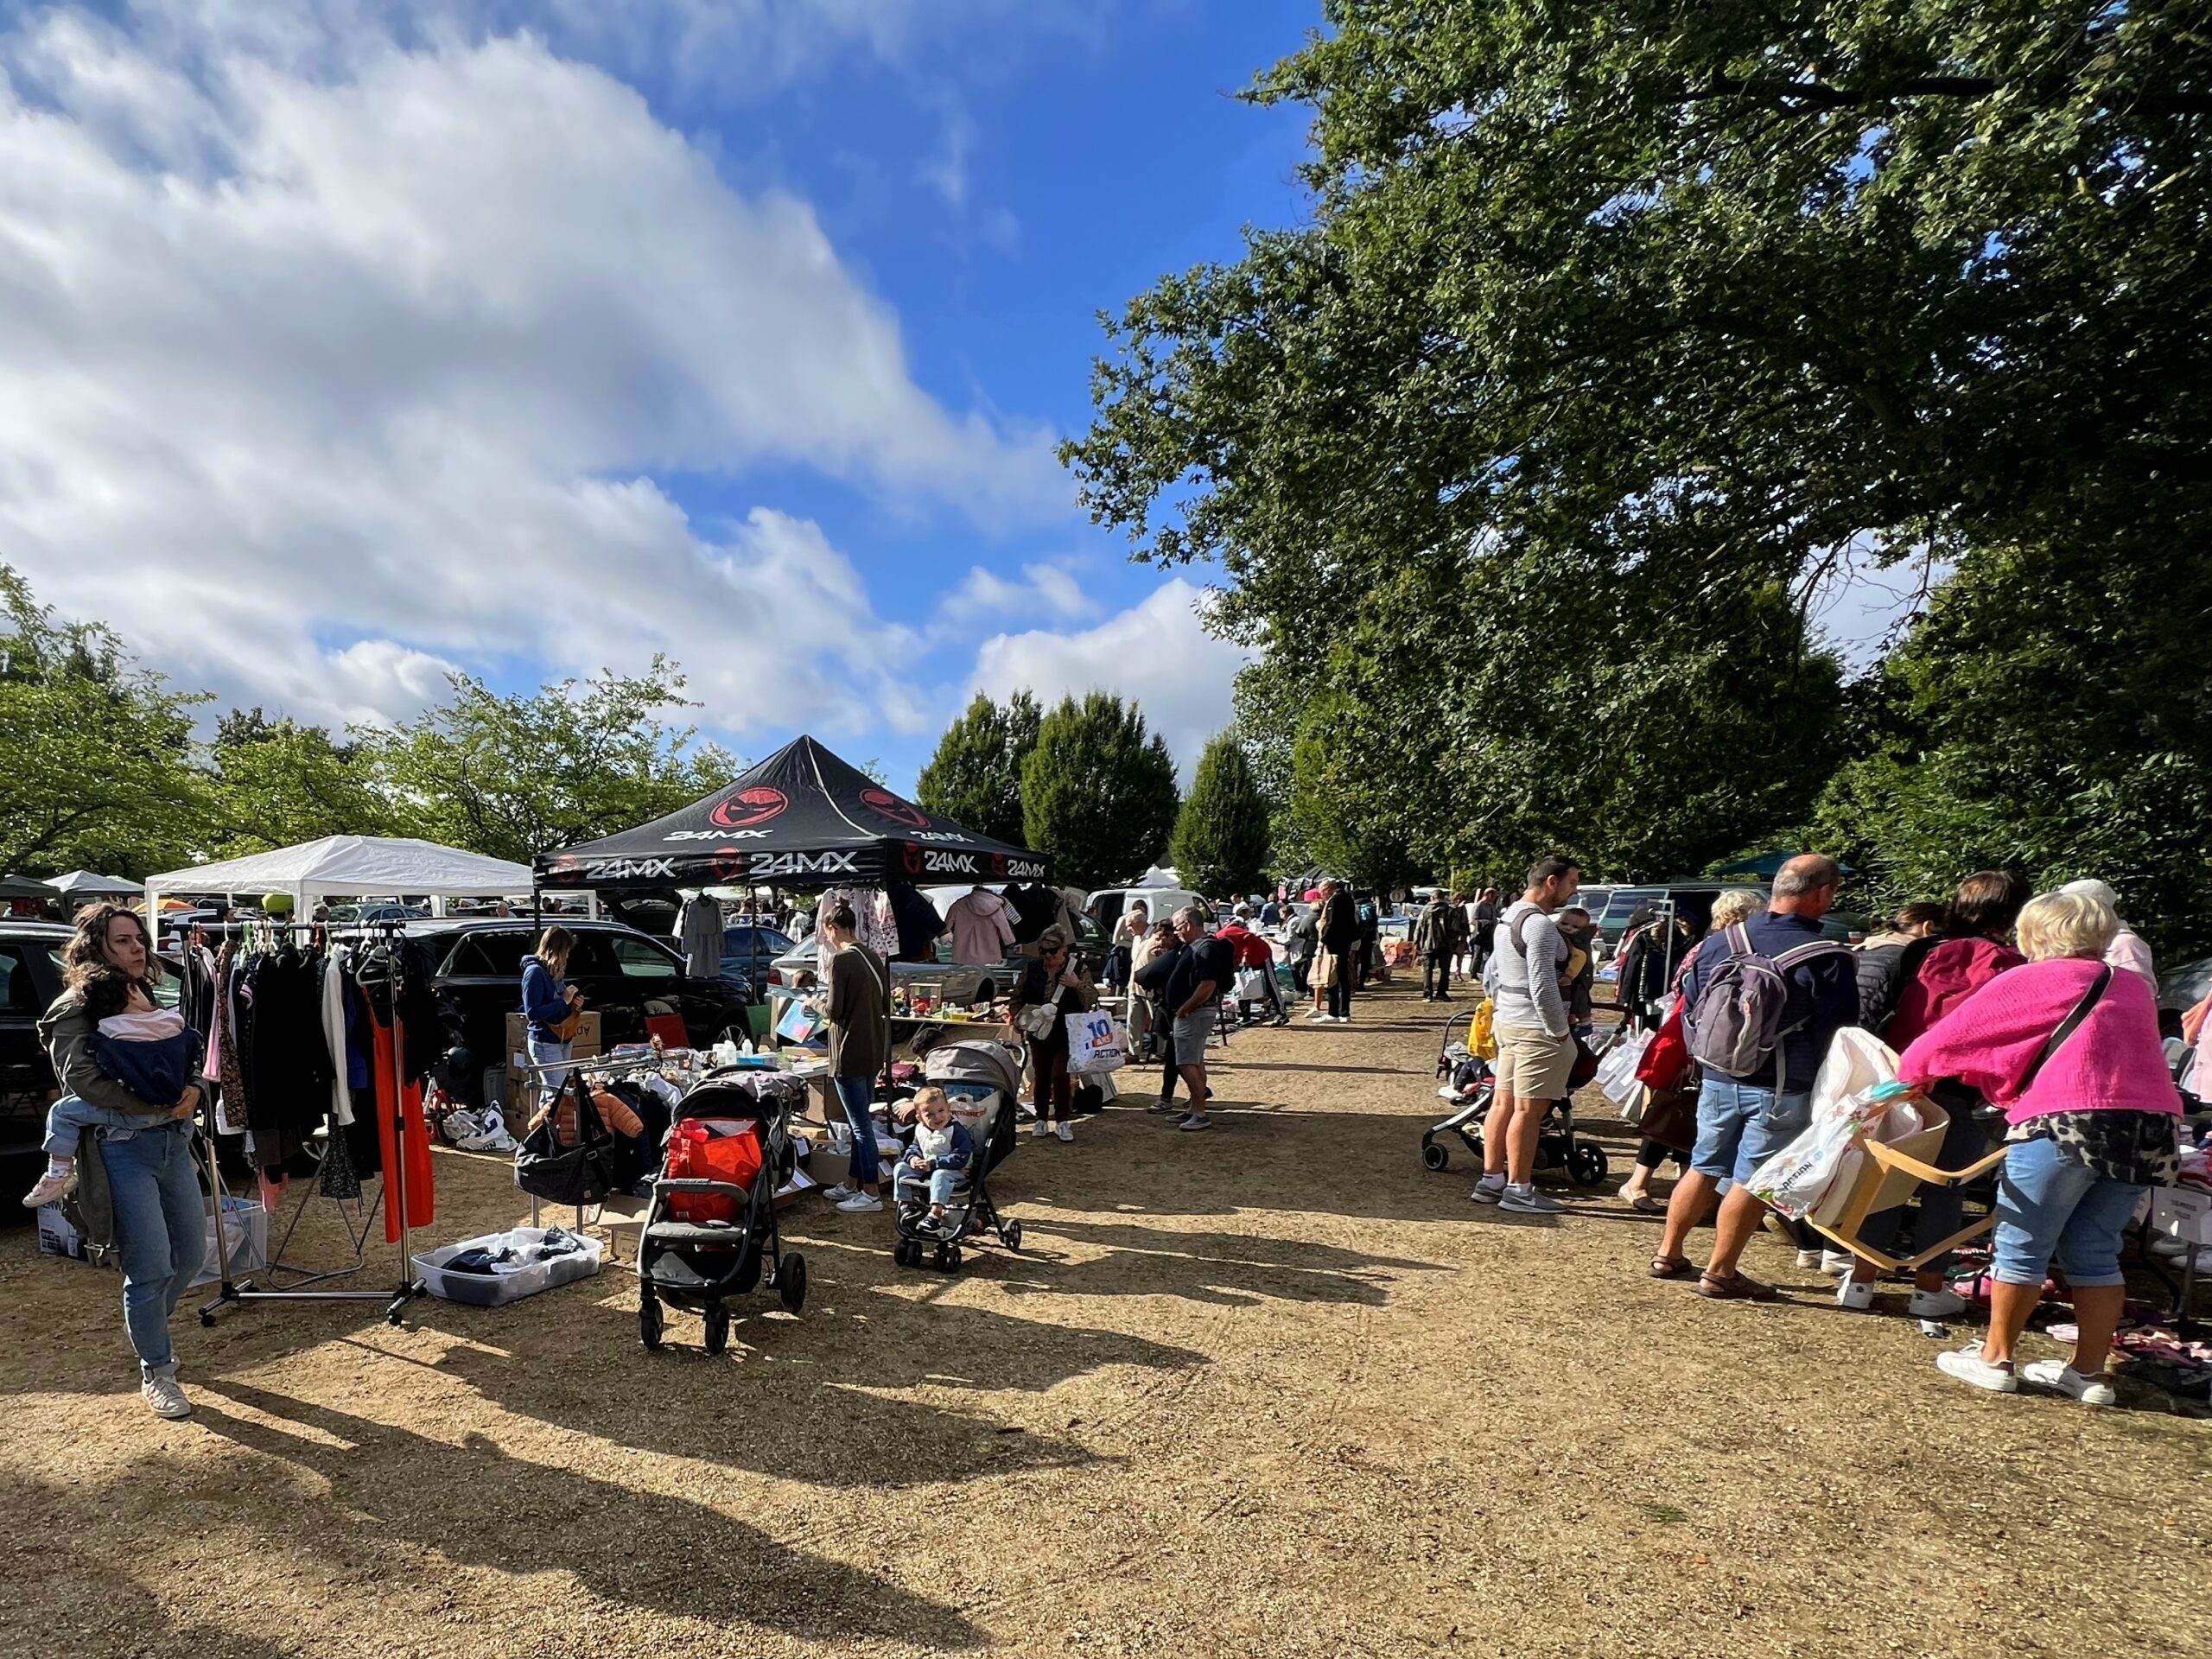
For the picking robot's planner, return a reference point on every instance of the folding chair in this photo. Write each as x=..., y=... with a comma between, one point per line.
x=1889, y=1174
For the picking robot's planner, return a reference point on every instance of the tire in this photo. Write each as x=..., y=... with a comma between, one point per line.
x=1586, y=1165
x=791, y=1282
x=950, y=1259
x=1434, y=1155
x=649, y=1326
x=1014, y=1235
x=717, y=1329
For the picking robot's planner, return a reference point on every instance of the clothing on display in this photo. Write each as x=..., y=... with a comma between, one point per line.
x=699, y=932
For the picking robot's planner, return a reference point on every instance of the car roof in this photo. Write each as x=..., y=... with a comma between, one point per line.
x=443, y=926
x=30, y=928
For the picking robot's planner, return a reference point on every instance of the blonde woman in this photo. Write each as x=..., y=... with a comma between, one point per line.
x=548, y=1003
x=2069, y=1047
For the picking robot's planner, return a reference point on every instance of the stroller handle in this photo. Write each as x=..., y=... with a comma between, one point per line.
x=686, y=1184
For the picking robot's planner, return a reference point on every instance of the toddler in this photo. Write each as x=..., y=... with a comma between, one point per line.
x=149, y=1052
x=942, y=1152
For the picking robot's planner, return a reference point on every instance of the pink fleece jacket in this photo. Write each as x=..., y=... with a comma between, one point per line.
x=2113, y=1062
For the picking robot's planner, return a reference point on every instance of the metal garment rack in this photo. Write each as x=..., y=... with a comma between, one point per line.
x=591, y=1066
x=394, y=1187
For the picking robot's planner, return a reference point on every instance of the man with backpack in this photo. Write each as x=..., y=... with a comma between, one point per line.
x=1762, y=1000
x=1536, y=1047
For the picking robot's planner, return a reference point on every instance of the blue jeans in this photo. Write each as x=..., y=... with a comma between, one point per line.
x=544, y=1051
x=1739, y=1126
x=2048, y=1204
x=854, y=1094
x=941, y=1183
x=160, y=1231
x=68, y=1117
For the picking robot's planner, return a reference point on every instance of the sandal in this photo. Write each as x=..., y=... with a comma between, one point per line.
x=1672, y=1267
x=1735, y=1287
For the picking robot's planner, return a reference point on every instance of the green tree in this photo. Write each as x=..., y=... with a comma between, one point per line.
x=278, y=783
x=974, y=776
x=1220, y=842
x=1097, y=792
x=512, y=776
x=102, y=772
x=1609, y=316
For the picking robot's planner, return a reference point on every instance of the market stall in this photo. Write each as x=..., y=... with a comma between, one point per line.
x=351, y=867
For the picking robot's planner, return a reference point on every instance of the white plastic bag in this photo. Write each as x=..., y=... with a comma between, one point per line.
x=1617, y=1070
x=1855, y=1062
x=1822, y=1161
x=1097, y=1042
x=1251, y=985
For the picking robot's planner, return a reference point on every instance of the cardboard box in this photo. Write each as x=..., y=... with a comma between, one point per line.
x=522, y=1090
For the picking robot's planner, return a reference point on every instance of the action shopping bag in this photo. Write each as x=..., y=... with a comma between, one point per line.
x=1669, y=1054
x=1616, y=1066
x=1097, y=1043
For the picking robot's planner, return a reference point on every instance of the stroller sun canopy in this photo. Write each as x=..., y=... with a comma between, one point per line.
x=975, y=1060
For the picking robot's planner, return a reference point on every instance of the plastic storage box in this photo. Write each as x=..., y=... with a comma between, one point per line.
x=490, y=1290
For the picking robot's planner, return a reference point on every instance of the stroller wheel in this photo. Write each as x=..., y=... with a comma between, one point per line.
x=1013, y=1235
x=791, y=1282
x=1587, y=1164
x=717, y=1329
x=905, y=1253
x=1434, y=1155
x=949, y=1257
x=649, y=1328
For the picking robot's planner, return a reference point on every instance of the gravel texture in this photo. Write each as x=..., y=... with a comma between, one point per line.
x=1272, y=1390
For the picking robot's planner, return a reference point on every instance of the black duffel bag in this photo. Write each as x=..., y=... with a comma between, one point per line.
x=570, y=1157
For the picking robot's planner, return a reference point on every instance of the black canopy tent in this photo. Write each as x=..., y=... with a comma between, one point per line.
x=801, y=818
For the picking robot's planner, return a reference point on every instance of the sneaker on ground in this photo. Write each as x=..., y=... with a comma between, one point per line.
x=1489, y=1189
x=1041, y=1129
x=1195, y=1120
x=163, y=1398
x=1969, y=1366
x=1317, y=1018
x=51, y=1187
x=1341, y=1018
x=1936, y=1304
x=1527, y=1201
x=1857, y=1294
x=2057, y=1374
x=860, y=1203
x=497, y=1140
x=1836, y=1263
x=1067, y=1129
x=840, y=1192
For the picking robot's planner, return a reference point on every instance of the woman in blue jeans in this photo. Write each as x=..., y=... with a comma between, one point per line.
x=2070, y=1050
x=161, y=1217
x=548, y=1000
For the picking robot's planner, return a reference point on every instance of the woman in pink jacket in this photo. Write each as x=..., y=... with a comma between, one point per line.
x=2069, y=1050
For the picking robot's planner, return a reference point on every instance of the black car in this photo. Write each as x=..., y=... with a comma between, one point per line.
x=30, y=978
x=618, y=969
x=749, y=953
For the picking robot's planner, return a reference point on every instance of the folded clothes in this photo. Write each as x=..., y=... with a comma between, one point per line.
x=497, y=1258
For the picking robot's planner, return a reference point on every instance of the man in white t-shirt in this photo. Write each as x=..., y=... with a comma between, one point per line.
x=1535, y=1048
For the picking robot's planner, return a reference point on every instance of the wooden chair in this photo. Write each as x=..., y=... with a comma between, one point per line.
x=1889, y=1174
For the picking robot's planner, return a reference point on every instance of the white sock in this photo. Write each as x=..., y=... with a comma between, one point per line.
x=1493, y=1181
x=58, y=1165
x=1520, y=1186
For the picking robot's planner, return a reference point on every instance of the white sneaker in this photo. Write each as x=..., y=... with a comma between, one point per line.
x=1065, y=1129
x=163, y=1398
x=1836, y=1263
x=493, y=1141
x=1936, y=1304
x=1527, y=1201
x=840, y=1192
x=51, y=1188
x=2059, y=1375
x=1489, y=1189
x=860, y=1203
x=1969, y=1366
x=1341, y=1018
x=1319, y=1017
x=1857, y=1294
x=1808, y=1259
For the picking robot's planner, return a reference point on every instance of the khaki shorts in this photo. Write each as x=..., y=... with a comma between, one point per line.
x=1532, y=1063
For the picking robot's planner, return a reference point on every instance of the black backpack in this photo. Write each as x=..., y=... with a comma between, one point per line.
x=581, y=1173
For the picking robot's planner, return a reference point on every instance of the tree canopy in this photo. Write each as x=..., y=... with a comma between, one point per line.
x=1097, y=792
x=975, y=776
x=1220, y=842
x=1619, y=329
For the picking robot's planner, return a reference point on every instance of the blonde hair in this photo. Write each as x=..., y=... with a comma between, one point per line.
x=1733, y=905
x=930, y=1091
x=554, y=946
x=2065, y=923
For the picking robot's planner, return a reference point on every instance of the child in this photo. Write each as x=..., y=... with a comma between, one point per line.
x=149, y=1053
x=942, y=1152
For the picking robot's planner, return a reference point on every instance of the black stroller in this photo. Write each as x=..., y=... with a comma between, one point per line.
x=699, y=1265
x=983, y=1079
x=1470, y=1083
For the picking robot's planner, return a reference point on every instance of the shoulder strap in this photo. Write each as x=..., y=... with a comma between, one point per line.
x=2069, y=1025
x=1740, y=941
x=1805, y=952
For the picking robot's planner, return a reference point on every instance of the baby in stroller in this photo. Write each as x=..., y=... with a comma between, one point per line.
x=935, y=1166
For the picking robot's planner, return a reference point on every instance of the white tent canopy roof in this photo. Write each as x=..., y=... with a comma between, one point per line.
x=354, y=866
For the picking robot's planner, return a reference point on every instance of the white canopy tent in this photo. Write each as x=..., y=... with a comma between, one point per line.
x=88, y=884
x=352, y=866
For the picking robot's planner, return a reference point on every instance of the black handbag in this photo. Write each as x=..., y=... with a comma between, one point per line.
x=565, y=1170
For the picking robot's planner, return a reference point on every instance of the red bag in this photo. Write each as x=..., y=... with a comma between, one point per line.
x=670, y=1028
x=719, y=1150
x=1661, y=1068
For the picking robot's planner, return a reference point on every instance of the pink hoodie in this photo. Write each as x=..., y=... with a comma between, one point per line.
x=2113, y=1062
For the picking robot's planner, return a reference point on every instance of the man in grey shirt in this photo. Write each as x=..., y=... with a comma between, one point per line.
x=1534, y=1051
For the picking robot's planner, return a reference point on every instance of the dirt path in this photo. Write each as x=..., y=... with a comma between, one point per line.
x=1273, y=1390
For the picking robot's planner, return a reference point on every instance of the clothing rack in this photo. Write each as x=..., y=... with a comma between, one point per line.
x=394, y=1186
x=590, y=1067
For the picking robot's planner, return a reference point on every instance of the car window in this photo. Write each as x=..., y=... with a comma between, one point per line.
x=18, y=991
x=641, y=958
x=593, y=957
x=490, y=955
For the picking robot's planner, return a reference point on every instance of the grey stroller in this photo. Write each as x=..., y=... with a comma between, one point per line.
x=982, y=1079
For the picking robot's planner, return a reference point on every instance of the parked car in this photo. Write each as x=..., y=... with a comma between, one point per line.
x=618, y=969
x=749, y=953
x=958, y=983
x=1106, y=906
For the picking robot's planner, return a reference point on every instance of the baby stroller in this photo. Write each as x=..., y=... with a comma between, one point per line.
x=1470, y=1083
x=982, y=1079
x=709, y=1237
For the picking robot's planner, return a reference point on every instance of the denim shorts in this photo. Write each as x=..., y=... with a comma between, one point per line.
x=2050, y=1205
x=1739, y=1126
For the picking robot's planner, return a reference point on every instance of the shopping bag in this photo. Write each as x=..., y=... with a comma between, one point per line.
x=1667, y=1054
x=1824, y=1157
x=1251, y=985
x=567, y=1157
x=1616, y=1066
x=798, y=1023
x=1097, y=1042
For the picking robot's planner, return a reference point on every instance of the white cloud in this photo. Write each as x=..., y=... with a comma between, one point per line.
x=305, y=339
x=1048, y=592
x=1157, y=654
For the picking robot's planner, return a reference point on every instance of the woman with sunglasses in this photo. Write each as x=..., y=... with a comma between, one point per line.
x=1054, y=979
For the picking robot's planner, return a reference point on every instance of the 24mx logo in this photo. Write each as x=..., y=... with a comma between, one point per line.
x=626, y=869
x=771, y=864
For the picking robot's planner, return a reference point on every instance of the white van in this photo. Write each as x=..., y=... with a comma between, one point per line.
x=1106, y=906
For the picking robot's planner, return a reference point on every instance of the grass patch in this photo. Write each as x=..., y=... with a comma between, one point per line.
x=1665, y=1515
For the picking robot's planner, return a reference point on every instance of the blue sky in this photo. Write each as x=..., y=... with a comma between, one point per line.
x=347, y=342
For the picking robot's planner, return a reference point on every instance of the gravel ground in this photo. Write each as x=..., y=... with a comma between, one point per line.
x=1273, y=1390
